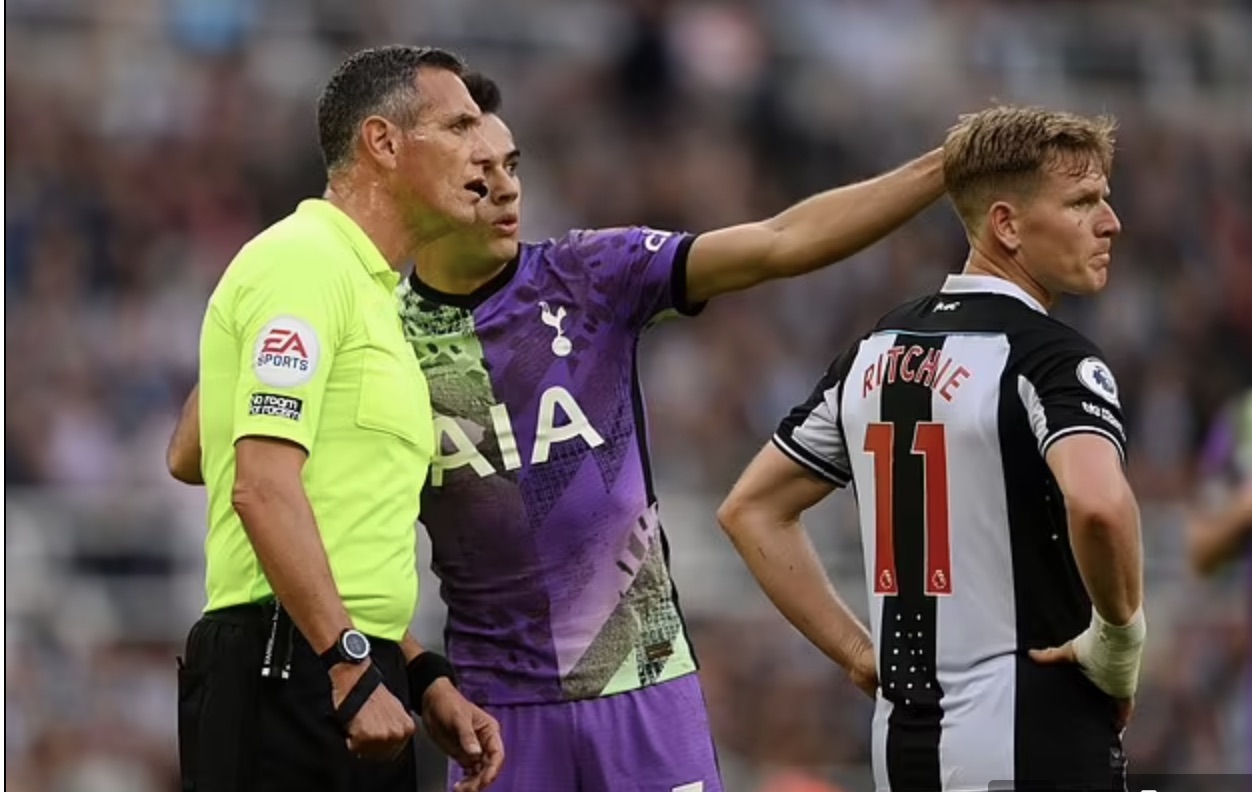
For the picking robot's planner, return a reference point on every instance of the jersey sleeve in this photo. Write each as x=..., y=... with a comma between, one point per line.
x=812, y=433
x=1066, y=388
x=642, y=271
x=290, y=321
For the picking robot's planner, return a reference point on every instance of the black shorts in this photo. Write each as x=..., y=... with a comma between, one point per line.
x=241, y=732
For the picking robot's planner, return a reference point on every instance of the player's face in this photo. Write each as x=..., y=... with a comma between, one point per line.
x=1067, y=231
x=499, y=214
x=440, y=159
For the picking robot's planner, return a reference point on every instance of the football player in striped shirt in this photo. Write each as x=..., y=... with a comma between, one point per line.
x=985, y=444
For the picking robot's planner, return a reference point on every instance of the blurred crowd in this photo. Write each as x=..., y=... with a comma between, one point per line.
x=147, y=139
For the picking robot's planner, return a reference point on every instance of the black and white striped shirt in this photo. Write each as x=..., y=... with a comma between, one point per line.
x=940, y=418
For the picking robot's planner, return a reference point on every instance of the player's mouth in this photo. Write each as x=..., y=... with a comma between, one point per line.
x=478, y=187
x=506, y=225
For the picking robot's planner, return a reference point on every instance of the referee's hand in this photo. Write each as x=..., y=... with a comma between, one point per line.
x=383, y=727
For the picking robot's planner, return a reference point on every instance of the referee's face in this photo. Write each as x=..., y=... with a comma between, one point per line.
x=439, y=164
x=1067, y=230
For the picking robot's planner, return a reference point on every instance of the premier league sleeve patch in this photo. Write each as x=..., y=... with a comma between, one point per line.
x=1097, y=378
x=276, y=406
x=286, y=353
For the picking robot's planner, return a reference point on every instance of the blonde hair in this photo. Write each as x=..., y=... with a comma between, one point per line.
x=1008, y=149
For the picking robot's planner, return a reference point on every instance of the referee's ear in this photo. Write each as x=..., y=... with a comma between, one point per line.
x=379, y=139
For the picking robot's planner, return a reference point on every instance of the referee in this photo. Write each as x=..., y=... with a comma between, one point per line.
x=316, y=438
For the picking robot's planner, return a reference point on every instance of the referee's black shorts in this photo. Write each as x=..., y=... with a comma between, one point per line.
x=241, y=732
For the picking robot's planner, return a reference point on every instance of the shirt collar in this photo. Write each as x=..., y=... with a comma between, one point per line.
x=967, y=284
x=366, y=251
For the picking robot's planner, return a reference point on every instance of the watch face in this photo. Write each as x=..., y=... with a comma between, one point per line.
x=356, y=645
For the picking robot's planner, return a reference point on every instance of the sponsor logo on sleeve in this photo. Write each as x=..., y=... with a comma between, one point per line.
x=275, y=405
x=1096, y=377
x=1106, y=415
x=286, y=353
x=654, y=240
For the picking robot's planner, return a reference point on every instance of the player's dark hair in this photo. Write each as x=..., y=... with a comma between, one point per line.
x=1007, y=149
x=376, y=81
x=484, y=91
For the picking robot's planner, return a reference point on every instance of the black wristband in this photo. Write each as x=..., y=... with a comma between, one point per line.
x=423, y=671
x=356, y=698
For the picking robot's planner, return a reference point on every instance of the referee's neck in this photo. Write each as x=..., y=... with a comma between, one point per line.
x=376, y=214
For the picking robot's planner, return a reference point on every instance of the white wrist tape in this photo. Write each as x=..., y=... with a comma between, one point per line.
x=1109, y=655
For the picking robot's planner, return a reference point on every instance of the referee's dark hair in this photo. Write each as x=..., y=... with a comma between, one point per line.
x=484, y=91
x=375, y=81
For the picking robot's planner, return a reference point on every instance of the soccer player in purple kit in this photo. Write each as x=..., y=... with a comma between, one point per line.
x=563, y=621
x=1219, y=534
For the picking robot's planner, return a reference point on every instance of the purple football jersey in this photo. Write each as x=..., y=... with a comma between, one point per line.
x=540, y=506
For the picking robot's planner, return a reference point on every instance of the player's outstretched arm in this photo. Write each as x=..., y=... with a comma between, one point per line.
x=762, y=517
x=183, y=454
x=1104, y=533
x=818, y=231
x=1217, y=536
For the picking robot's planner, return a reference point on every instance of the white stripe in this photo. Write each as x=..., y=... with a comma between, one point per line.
x=858, y=409
x=798, y=453
x=976, y=626
x=1034, y=408
x=1045, y=444
x=878, y=737
x=819, y=434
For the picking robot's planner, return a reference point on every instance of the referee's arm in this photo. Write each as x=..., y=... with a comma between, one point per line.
x=269, y=496
x=293, y=306
x=182, y=457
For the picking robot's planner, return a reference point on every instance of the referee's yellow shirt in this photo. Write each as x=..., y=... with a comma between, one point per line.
x=302, y=342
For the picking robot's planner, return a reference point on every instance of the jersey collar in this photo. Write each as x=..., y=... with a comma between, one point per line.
x=366, y=251
x=967, y=284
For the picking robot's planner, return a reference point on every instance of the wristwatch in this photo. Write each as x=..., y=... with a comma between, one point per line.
x=352, y=647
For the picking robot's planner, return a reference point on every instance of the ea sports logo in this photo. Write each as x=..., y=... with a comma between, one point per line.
x=286, y=353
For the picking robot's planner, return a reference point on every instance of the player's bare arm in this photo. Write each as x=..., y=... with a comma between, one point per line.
x=183, y=454
x=463, y=731
x=761, y=515
x=814, y=233
x=269, y=497
x=1220, y=535
x=1103, y=523
x=1108, y=548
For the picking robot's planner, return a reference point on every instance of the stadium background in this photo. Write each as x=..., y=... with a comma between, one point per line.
x=147, y=139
